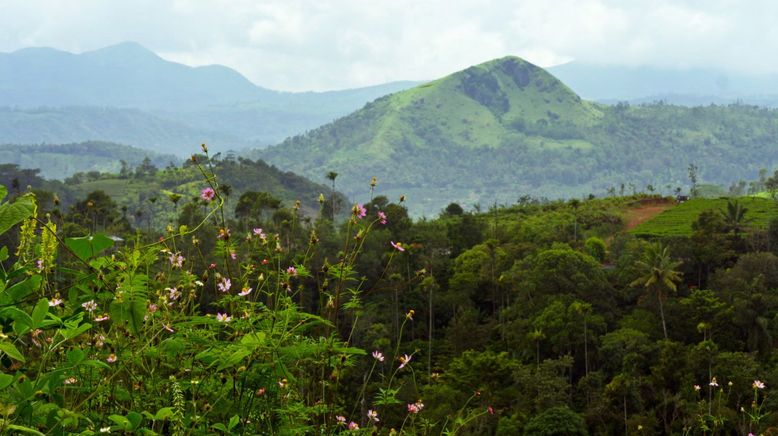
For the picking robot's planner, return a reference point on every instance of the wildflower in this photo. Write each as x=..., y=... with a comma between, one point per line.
x=233, y=255
x=758, y=384
x=104, y=317
x=283, y=383
x=224, y=234
x=404, y=360
x=224, y=285
x=260, y=392
x=353, y=426
x=381, y=217
x=199, y=283
x=265, y=262
x=176, y=260
x=212, y=266
x=341, y=419
x=397, y=246
x=55, y=302
x=714, y=383
x=167, y=327
x=260, y=233
x=105, y=429
x=359, y=211
x=111, y=358
x=70, y=381
x=152, y=308
x=697, y=387
x=207, y=194
x=99, y=341
x=223, y=317
x=39, y=264
x=490, y=409
x=292, y=271
x=410, y=314
x=173, y=293
x=372, y=415
x=245, y=291
x=414, y=407
x=89, y=306
x=379, y=356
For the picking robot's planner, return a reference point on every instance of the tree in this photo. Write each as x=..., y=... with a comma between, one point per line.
x=658, y=275
x=252, y=204
x=735, y=217
x=331, y=176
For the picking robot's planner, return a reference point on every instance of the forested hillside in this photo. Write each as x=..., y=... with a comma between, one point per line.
x=538, y=318
x=506, y=128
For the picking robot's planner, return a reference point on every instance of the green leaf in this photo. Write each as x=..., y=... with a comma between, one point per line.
x=11, y=350
x=164, y=413
x=6, y=380
x=233, y=422
x=87, y=247
x=39, y=312
x=12, y=214
x=3, y=253
x=130, y=313
x=75, y=356
x=23, y=429
x=135, y=419
x=219, y=426
x=20, y=290
x=72, y=332
x=95, y=364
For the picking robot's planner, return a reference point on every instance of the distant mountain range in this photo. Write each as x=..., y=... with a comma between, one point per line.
x=507, y=128
x=126, y=93
x=691, y=87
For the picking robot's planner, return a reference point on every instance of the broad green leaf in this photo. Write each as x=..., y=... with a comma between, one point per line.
x=72, y=332
x=11, y=350
x=23, y=429
x=135, y=419
x=233, y=422
x=6, y=380
x=16, y=212
x=130, y=313
x=96, y=364
x=87, y=247
x=164, y=413
x=75, y=356
x=20, y=290
x=39, y=312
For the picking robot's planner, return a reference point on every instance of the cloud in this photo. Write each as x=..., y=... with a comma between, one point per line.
x=309, y=44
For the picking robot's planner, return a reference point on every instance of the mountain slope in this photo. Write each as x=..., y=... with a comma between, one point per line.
x=506, y=128
x=63, y=160
x=214, y=99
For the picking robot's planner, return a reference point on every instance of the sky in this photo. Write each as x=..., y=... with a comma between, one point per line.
x=298, y=45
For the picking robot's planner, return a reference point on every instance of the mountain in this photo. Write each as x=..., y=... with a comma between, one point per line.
x=697, y=86
x=192, y=104
x=505, y=129
x=56, y=162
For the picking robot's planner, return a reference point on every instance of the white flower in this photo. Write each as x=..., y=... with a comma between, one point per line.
x=89, y=306
x=758, y=384
x=372, y=415
x=245, y=292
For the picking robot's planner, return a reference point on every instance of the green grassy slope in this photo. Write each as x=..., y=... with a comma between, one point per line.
x=677, y=221
x=506, y=128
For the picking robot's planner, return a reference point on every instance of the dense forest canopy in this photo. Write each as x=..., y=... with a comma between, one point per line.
x=247, y=313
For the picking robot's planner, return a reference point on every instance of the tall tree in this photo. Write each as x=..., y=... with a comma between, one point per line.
x=658, y=275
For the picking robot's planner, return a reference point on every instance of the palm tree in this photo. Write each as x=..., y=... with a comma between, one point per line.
x=735, y=217
x=658, y=274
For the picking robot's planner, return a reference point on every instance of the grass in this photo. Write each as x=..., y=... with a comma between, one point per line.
x=677, y=221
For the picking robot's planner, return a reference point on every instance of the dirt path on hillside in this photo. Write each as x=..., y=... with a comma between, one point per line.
x=635, y=216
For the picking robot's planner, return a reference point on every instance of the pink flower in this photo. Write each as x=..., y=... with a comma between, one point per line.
x=223, y=317
x=758, y=384
x=102, y=318
x=359, y=211
x=379, y=356
x=245, y=291
x=152, y=308
x=39, y=264
x=372, y=415
x=111, y=358
x=381, y=217
x=341, y=419
x=207, y=194
x=176, y=260
x=397, y=246
x=173, y=294
x=55, y=302
x=260, y=233
x=167, y=327
x=353, y=426
x=233, y=255
x=490, y=409
x=415, y=407
x=404, y=360
x=292, y=271
x=89, y=306
x=224, y=285
x=224, y=234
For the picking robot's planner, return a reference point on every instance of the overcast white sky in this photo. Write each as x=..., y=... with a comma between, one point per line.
x=332, y=44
